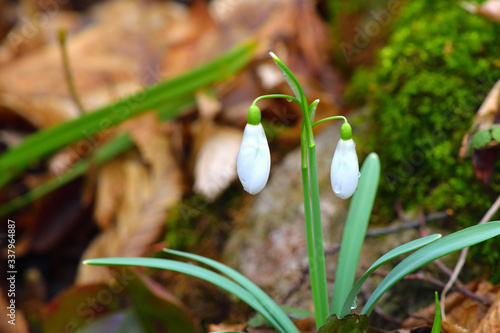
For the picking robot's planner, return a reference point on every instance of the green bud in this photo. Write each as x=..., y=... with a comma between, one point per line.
x=253, y=117
x=346, y=132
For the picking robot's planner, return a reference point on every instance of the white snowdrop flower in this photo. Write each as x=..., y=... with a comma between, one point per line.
x=253, y=163
x=344, y=172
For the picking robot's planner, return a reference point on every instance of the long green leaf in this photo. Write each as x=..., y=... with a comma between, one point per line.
x=43, y=143
x=405, y=248
x=192, y=270
x=246, y=283
x=436, y=327
x=292, y=312
x=289, y=78
x=446, y=245
x=109, y=150
x=355, y=230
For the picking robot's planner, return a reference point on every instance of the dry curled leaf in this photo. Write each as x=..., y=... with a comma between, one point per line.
x=489, y=9
x=463, y=314
x=148, y=189
x=215, y=166
x=484, y=154
x=118, y=53
x=491, y=321
x=484, y=118
x=224, y=327
x=109, y=192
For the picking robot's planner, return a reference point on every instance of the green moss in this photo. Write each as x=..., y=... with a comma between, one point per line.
x=429, y=81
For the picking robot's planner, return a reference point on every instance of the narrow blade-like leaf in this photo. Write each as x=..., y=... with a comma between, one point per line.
x=289, y=78
x=246, y=283
x=107, y=151
x=446, y=245
x=312, y=109
x=355, y=230
x=45, y=142
x=402, y=249
x=192, y=270
x=436, y=327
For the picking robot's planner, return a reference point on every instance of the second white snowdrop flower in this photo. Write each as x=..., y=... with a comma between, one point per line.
x=344, y=172
x=253, y=163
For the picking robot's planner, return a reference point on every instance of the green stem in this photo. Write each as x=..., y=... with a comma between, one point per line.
x=314, y=232
x=296, y=100
x=302, y=97
x=318, y=234
x=311, y=249
x=108, y=151
x=311, y=197
x=67, y=71
x=329, y=118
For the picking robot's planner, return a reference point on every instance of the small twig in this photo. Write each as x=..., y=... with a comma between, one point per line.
x=67, y=72
x=422, y=219
x=378, y=310
x=463, y=254
x=332, y=249
x=305, y=271
x=398, y=207
x=426, y=277
x=375, y=232
x=303, y=275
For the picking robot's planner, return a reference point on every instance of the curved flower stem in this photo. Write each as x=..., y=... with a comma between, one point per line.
x=329, y=118
x=311, y=249
x=314, y=233
x=312, y=212
x=318, y=234
x=296, y=100
x=299, y=93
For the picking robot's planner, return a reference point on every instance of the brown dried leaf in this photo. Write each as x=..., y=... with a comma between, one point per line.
x=35, y=30
x=304, y=48
x=463, y=314
x=225, y=327
x=109, y=192
x=490, y=9
x=208, y=105
x=484, y=118
x=484, y=161
x=200, y=42
x=491, y=321
x=215, y=167
x=455, y=328
x=148, y=190
x=119, y=54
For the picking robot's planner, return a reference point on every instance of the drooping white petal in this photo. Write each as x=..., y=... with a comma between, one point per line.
x=344, y=173
x=253, y=163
